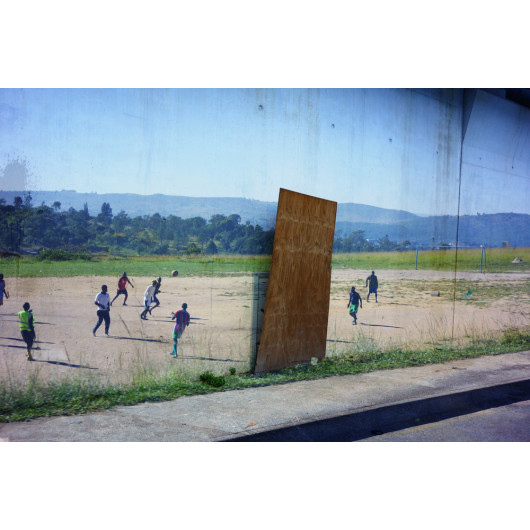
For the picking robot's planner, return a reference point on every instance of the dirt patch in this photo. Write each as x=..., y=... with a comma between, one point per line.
x=408, y=315
x=65, y=315
x=221, y=308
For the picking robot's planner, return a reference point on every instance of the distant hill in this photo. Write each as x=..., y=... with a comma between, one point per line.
x=256, y=212
x=473, y=230
x=362, y=213
x=399, y=225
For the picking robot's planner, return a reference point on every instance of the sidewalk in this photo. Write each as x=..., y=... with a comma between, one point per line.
x=342, y=407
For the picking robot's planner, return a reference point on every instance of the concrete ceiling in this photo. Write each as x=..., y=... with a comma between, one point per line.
x=521, y=96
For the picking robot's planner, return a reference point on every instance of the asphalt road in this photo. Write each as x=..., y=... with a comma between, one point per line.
x=510, y=423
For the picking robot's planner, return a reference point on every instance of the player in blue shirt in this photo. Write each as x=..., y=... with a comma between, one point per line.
x=372, y=284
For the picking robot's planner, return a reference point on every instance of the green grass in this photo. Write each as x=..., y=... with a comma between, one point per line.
x=69, y=397
x=135, y=266
x=498, y=260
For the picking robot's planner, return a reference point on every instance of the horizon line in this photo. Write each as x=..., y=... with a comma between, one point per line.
x=250, y=199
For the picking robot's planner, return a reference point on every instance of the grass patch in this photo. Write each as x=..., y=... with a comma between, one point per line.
x=209, y=378
x=60, y=254
x=498, y=260
x=69, y=397
x=515, y=336
x=135, y=266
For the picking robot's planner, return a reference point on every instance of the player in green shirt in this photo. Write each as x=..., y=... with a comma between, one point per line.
x=27, y=328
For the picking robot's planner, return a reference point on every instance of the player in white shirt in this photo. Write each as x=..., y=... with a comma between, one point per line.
x=102, y=300
x=148, y=298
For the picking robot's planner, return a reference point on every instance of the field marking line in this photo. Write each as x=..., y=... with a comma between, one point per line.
x=66, y=351
x=123, y=321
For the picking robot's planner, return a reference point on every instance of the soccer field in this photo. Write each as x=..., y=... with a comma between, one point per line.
x=221, y=332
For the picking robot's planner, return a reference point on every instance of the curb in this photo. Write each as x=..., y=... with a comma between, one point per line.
x=394, y=417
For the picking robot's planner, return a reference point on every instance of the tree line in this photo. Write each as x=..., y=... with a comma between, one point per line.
x=357, y=242
x=29, y=227
x=24, y=226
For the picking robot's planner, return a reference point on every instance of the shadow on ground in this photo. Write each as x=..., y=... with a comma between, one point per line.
x=380, y=420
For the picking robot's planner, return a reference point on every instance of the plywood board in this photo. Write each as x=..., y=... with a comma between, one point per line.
x=297, y=305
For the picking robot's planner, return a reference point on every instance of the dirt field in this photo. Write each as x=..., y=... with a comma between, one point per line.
x=221, y=309
x=408, y=315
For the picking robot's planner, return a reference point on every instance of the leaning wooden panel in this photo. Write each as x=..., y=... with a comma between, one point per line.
x=297, y=305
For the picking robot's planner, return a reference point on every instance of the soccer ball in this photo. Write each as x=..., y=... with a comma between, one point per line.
x=174, y=273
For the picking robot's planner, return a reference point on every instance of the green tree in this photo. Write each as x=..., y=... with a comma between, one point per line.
x=105, y=217
x=211, y=248
x=28, y=200
x=385, y=244
x=120, y=221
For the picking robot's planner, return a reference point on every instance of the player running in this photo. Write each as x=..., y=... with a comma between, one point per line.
x=27, y=328
x=371, y=281
x=148, y=298
x=102, y=300
x=122, y=288
x=354, y=303
x=182, y=318
x=157, y=290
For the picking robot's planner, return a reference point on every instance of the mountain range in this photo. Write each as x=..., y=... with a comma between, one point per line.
x=398, y=225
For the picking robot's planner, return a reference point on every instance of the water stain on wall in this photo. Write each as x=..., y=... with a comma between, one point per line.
x=15, y=175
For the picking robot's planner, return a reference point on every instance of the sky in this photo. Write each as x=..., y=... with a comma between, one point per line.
x=392, y=148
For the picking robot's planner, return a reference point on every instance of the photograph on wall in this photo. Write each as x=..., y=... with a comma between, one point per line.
x=138, y=225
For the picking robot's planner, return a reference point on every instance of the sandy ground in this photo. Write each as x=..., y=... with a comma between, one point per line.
x=220, y=335
x=407, y=313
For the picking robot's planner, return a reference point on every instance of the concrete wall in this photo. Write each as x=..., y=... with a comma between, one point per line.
x=401, y=146
x=406, y=144
x=496, y=155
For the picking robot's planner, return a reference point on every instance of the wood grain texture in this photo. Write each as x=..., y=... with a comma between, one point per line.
x=297, y=306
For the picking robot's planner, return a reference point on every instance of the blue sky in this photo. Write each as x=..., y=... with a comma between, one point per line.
x=379, y=147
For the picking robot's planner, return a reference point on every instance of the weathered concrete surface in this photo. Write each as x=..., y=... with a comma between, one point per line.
x=234, y=414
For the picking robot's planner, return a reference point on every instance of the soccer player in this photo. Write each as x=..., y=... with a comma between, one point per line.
x=122, y=287
x=371, y=282
x=182, y=318
x=3, y=290
x=354, y=303
x=148, y=298
x=157, y=290
x=27, y=328
x=102, y=300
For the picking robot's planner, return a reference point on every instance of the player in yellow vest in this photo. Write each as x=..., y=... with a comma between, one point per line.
x=27, y=328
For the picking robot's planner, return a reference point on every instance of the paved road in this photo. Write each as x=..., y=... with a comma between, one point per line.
x=510, y=423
